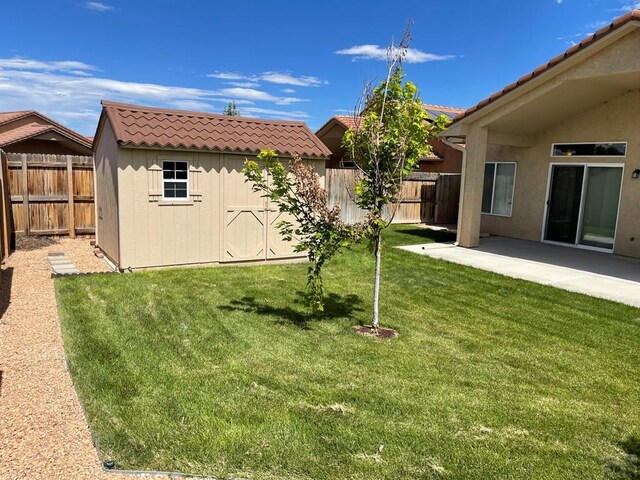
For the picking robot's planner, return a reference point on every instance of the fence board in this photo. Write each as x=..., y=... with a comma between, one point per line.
x=424, y=197
x=51, y=194
x=6, y=225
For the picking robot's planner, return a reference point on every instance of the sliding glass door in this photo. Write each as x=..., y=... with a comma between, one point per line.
x=582, y=205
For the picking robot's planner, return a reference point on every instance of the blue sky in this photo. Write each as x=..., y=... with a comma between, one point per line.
x=297, y=59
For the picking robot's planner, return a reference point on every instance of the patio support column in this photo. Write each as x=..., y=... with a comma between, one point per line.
x=472, y=183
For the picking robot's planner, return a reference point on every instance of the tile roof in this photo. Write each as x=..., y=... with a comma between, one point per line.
x=604, y=31
x=350, y=121
x=22, y=133
x=10, y=116
x=160, y=128
x=27, y=131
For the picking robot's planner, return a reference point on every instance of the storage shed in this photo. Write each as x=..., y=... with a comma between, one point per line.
x=170, y=191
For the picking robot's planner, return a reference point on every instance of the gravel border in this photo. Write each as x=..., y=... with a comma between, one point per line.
x=43, y=431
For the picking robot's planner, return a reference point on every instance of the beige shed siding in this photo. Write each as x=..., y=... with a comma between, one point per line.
x=155, y=232
x=615, y=120
x=106, y=165
x=223, y=220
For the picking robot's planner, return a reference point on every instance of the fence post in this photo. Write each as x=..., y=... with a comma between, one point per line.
x=25, y=194
x=70, y=206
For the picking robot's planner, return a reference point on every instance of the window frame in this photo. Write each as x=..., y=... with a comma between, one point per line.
x=553, y=148
x=493, y=189
x=175, y=180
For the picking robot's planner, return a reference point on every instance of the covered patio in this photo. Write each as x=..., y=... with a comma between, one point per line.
x=598, y=274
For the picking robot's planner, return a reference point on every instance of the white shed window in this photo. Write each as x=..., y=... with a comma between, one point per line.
x=175, y=180
x=497, y=194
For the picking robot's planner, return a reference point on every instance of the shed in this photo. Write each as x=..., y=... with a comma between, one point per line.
x=170, y=191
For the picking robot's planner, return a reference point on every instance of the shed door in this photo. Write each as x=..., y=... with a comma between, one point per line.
x=276, y=245
x=244, y=214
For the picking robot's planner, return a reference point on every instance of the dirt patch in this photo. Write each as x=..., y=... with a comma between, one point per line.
x=369, y=331
x=29, y=243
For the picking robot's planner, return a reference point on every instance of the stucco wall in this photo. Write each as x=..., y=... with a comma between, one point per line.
x=614, y=120
x=106, y=192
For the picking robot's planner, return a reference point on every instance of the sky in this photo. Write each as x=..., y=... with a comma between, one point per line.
x=298, y=59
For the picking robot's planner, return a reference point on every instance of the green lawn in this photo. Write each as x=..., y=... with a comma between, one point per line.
x=221, y=371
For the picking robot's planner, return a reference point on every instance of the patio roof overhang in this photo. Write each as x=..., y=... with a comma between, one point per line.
x=558, y=93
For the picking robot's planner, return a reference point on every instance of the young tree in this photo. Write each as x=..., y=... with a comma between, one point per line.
x=231, y=110
x=317, y=229
x=392, y=132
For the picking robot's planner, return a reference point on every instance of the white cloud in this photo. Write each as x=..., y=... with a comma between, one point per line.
x=244, y=84
x=98, y=6
x=376, y=52
x=559, y=1
x=69, y=66
x=288, y=90
x=279, y=78
x=628, y=6
x=284, y=115
x=258, y=95
x=56, y=89
x=287, y=79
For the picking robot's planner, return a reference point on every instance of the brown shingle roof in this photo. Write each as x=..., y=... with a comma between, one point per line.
x=604, y=31
x=160, y=128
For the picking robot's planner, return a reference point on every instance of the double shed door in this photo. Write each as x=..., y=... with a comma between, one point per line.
x=249, y=220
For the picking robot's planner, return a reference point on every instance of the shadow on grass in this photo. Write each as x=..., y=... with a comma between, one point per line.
x=627, y=465
x=429, y=235
x=336, y=306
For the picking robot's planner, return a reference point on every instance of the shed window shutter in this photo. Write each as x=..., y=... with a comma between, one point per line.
x=155, y=177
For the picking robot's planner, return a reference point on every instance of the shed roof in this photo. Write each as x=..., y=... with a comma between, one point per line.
x=601, y=33
x=136, y=125
x=24, y=132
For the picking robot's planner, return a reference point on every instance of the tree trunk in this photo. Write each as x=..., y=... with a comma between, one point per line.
x=376, y=283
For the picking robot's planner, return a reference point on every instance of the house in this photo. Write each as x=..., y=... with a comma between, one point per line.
x=443, y=159
x=555, y=156
x=170, y=191
x=31, y=132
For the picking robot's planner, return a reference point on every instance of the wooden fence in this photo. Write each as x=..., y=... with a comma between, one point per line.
x=425, y=197
x=51, y=194
x=6, y=224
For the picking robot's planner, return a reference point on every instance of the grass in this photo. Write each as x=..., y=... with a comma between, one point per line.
x=221, y=371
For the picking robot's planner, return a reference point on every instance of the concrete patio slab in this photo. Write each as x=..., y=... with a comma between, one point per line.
x=593, y=273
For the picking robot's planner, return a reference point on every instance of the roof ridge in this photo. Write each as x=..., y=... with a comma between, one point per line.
x=584, y=43
x=190, y=113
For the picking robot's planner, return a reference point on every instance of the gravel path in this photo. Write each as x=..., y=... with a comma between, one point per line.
x=43, y=433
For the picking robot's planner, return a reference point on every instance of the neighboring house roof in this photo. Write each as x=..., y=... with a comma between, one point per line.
x=137, y=125
x=24, y=132
x=352, y=121
x=601, y=33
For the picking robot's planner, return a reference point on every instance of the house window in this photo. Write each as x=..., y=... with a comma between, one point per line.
x=618, y=149
x=497, y=194
x=175, y=180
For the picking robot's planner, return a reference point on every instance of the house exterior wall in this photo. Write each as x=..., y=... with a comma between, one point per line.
x=222, y=221
x=106, y=193
x=615, y=120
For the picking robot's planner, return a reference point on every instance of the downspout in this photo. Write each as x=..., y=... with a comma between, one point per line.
x=462, y=149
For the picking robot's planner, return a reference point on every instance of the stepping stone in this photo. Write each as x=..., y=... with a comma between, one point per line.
x=61, y=265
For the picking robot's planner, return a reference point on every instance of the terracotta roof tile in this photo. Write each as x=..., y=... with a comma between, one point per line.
x=617, y=23
x=160, y=128
x=22, y=133
x=10, y=116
